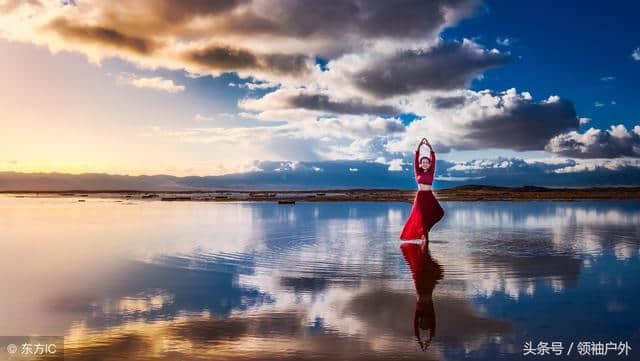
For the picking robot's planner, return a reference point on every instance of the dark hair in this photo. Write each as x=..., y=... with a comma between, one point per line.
x=430, y=165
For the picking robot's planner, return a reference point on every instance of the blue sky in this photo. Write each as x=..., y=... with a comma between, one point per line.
x=566, y=48
x=506, y=92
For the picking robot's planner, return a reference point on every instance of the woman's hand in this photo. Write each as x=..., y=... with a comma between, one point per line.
x=424, y=141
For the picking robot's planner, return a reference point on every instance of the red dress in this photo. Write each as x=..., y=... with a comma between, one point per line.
x=426, y=209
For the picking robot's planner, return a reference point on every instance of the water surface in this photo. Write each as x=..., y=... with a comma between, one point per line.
x=151, y=280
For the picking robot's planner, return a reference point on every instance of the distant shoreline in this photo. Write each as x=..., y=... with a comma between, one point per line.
x=460, y=193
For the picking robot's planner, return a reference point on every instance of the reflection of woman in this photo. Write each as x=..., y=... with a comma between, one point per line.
x=426, y=209
x=426, y=272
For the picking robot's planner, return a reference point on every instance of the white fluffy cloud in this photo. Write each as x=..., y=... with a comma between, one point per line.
x=156, y=82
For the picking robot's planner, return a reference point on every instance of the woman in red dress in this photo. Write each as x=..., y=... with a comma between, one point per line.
x=426, y=209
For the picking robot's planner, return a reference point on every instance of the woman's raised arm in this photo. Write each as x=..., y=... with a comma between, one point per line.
x=432, y=157
x=416, y=161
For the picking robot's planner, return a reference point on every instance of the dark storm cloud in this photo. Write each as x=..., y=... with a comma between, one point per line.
x=448, y=102
x=322, y=102
x=96, y=34
x=446, y=66
x=409, y=19
x=597, y=143
x=221, y=58
x=525, y=126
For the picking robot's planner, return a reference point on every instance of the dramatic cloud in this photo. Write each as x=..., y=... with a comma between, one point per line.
x=336, y=26
x=446, y=66
x=228, y=35
x=596, y=143
x=469, y=120
x=336, y=79
x=524, y=126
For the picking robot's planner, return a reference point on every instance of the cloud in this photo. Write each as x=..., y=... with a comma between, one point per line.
x=9, y=6
x=526, y=125
x=293, y=98
x=459, y=120
x=396, y=164
x=596, y=143
x=553, y=172
x=636, y=54
x=443, y=102
x=157, y=83
x=254, y=85
x=217, y=59
x=323, y=103
x=463, y=120
x=254, y=36
x=597, y=166
x=607, y=78
x=445, y=66
x=486, y=119
x=334, y=27
x=504, y=41
x=102, y=36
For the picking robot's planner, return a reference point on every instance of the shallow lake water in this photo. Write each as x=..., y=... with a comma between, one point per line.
x=152, y=280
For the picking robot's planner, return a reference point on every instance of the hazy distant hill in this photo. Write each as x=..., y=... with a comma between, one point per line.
x=10, y=181
x=364, y=176
x=320, y=175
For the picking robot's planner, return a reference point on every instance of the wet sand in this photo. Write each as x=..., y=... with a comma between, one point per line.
x=460, y=193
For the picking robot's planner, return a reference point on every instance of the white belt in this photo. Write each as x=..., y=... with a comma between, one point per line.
x=424, y=187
